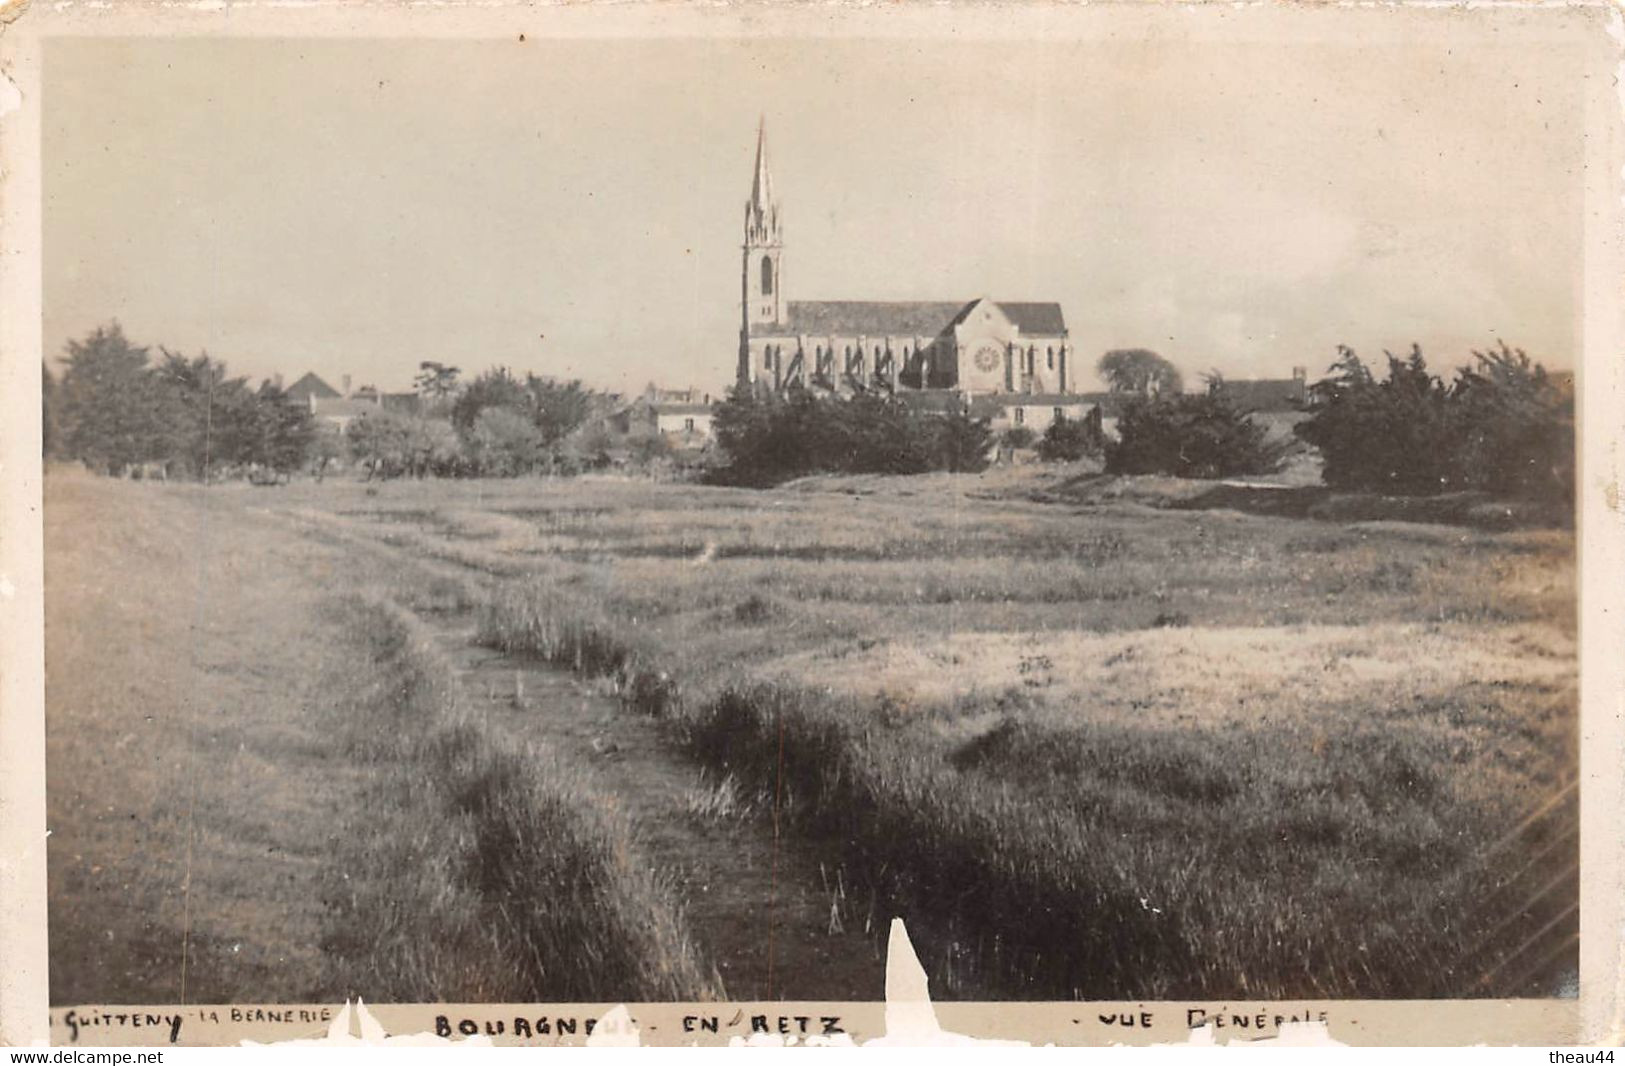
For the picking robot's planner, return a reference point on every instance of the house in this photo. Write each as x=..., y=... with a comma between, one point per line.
x=1268, y=395
x=335, y=410
x=682, y=416
x=1034, y=411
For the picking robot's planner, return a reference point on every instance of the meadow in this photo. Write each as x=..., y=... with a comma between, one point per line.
x=1094, y=749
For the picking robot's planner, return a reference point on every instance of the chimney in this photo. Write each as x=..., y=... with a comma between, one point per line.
x=276, y=379
x=344, y=385
x=1300, y=373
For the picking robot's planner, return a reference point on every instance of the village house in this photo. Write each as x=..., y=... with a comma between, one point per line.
x=1269, y=395
x=335, y=409
x=681, y=416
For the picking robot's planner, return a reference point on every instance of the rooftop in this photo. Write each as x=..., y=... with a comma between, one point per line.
x=905, y=318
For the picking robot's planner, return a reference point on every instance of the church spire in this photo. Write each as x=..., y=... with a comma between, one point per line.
x=762, y=213
x=761, y=190
x=762, y=286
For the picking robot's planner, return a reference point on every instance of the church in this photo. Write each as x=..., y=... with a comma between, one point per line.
x=980, y=349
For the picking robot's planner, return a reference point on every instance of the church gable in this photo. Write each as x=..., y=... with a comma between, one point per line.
x=983, y=335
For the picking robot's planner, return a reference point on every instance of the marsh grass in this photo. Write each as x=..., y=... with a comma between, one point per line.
x=482, y=873
x=1092, y=747
x=1256, y=757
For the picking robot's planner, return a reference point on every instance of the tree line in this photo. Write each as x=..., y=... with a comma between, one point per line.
x=116, y=409
x=120, y=408
x=1503, y=426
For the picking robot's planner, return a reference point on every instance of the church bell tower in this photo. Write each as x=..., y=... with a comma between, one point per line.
x=762, y=284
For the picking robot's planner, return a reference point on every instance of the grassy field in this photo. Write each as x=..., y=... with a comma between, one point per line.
x=1101, y=750
x=262, y=787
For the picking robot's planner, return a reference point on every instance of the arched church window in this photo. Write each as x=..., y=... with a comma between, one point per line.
x=767, y=276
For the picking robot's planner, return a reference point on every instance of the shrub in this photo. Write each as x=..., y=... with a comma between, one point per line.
x=1389, y=436
x=1017, y=437
x=1198, y=436
x=1503, y=426
x=772, y=438
x=392, y=443
x=1070, y=439
x=1514, y=427
x=504, y=442
x=962, y=442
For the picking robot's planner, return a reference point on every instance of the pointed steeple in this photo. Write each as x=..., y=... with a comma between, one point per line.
x=761, y=190
x=762, y=212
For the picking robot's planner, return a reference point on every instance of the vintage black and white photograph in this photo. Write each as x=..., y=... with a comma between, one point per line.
x=623, y=519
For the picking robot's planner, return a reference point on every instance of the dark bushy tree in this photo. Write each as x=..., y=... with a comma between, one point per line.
x=1503, y=426
x=1515, y=427
x=287, y=431
x=1196, y=436
x=496, y=387
x=771, y=438
x=1387, y=436
x=109, y=409
x=437, y=384
x=1069, y=439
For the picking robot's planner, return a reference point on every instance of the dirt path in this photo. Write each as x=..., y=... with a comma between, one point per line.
x=771, y=915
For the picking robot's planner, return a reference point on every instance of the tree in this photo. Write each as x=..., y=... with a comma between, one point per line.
x=436, y=381
x=962, y=442
x=1139, y=371
x=382, y=441
x=109, y=409
x=437, y=385
x=1503, y=426
x=287, y=431
x=210, y=418
x=504, y=442
x=772, y=438
x=1394, y=435
x=557, y=407
x=496, y=387
x=1069, y=439
x=1515, y=426
x=1197, y=436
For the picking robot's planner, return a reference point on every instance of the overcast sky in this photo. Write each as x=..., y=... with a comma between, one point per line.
x=575, y=208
